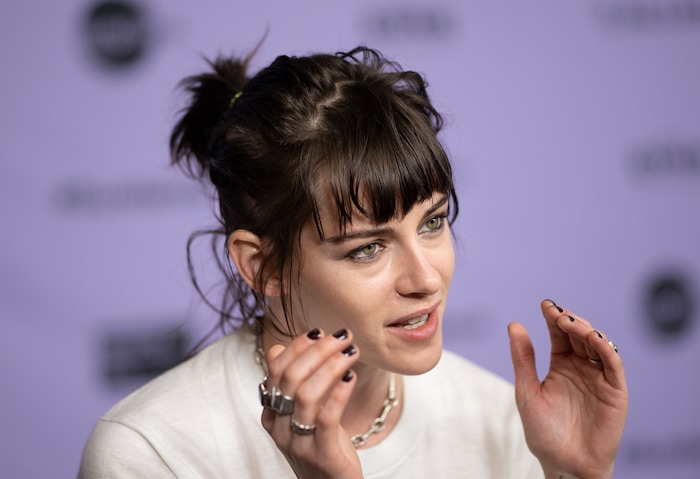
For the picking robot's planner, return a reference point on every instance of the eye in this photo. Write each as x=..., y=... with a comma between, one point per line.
x=366, y=252
x=436, y=223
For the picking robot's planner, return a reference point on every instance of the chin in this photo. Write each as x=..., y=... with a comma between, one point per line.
x=419, y=363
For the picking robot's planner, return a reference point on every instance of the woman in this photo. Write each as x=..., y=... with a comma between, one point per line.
x=336, y=200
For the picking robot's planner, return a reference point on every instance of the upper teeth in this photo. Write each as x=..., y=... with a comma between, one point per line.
x=414, y=323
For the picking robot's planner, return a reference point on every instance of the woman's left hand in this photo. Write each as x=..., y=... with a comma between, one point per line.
x=574, y=418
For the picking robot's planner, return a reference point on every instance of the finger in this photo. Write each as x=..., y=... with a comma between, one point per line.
x=313, y=395
x=278, y=357
x=559, y=339
x=523, y=355
x=578, y=330
x=268, y=415
x=591, y=352
x=597, y=348
x=273, y=352
x=611, y=359
x=323, y=360
x=329, y=417
x=326, y=421
x=575, y=329
x=317, y=387
x=268, y=419
x=300, y=368
x=557, y=323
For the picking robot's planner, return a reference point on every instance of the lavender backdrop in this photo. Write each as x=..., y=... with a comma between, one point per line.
x=575, y=133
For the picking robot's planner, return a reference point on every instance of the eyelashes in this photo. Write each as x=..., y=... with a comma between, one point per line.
x=369, y=251
x=366, y=252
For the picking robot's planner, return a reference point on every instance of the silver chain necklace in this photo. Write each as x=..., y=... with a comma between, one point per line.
x=359, y=440
x=378, y=424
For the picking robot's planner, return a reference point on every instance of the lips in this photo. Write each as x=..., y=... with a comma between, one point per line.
x=418, y=326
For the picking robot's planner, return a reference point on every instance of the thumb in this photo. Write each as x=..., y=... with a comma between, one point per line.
x=523, y=355
x=273, y=352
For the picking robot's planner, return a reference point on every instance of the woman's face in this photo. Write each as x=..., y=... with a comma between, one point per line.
x=387, y=283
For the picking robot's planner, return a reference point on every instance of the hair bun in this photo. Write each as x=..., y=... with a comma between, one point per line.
x=211, y=94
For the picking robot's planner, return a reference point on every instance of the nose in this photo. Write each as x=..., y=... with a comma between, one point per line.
x=418, y=273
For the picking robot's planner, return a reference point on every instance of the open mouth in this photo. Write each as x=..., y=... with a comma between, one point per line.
x=412, y=323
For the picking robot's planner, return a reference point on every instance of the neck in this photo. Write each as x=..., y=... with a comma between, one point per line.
x=367, y=403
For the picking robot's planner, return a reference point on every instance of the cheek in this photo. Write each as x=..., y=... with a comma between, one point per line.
x=343, y=293
x=444, y=260
x=450, y=266
x=320, y=291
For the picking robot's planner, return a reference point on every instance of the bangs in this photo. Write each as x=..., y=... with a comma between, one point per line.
x=380, y=169
x=367, y=144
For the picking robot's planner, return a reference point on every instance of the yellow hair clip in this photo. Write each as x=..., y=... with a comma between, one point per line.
x=235, y=97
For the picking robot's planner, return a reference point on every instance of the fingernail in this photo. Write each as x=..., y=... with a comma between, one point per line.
x=599, y=335
x=314, y=334
x=556, y=306
x=341, y=334
x=349, y=351
x=571, y=318
x=347, y=377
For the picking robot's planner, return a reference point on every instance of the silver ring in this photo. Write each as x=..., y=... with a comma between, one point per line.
x=596, y=362
x=302, y=429
x=274, y=399
x=613, y=345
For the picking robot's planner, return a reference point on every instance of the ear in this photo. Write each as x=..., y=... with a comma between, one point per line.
x=247, y=252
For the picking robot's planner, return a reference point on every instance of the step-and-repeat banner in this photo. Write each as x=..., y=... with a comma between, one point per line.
x=574, y=128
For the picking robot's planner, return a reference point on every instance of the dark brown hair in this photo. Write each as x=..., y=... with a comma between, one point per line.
x=352, y=125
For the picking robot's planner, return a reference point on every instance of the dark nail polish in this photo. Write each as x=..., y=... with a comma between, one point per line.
x=341, y=334
x=347, y=377
x=350, y=350
x=314, y=334
x=599, y=335
x=555, y=305
x=571, y=318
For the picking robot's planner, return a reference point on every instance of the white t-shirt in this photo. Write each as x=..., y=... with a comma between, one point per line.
x=202, y=420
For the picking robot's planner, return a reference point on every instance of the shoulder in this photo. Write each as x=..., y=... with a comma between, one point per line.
x=172, y=421
x=202, y=378
x=116, y=450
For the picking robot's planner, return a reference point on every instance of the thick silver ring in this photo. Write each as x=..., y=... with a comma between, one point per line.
x=302, y=429
x=613, y=345
x=274, y=399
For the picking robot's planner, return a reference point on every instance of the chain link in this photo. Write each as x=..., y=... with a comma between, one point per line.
x=359, y=440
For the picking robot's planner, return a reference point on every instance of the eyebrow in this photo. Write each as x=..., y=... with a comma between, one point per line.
x=371, y=232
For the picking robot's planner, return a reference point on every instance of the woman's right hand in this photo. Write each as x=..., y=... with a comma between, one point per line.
x=314, y=371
